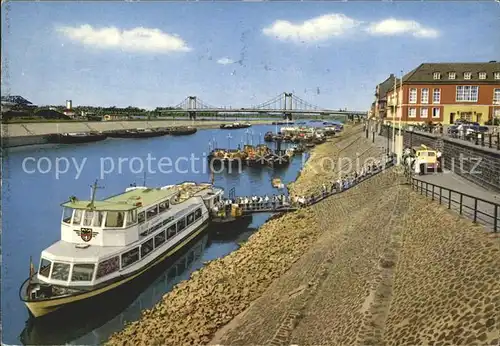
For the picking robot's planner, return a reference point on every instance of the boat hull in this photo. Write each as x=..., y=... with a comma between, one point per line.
x=127, y=134
x=69, y=139
x=41, y=308
x=79, y=319
x=183, y=132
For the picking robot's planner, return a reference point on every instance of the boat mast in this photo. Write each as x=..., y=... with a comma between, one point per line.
x=92, y=198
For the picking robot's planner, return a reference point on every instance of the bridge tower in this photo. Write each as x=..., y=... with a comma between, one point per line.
x=288, y=106
x=191, y=107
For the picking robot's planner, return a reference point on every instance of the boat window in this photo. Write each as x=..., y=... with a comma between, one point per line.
x=190, y=219
x=108, y=266
x=197, y=213
x=152, y=212
x=77, y=217
x=60, y=271
x=163, y=206
x=146, y=247
x=131, y=217
x=44, y=267
x=130, y=257
x=159, y=239
x=114, y=219
x=181, y=224
x=67, y=214
x=141, y=217
x=171, y=231
x=98, y=216
x=82, y=272
x=87, y=218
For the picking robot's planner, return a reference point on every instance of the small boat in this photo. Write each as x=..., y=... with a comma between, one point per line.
x=235, y=126
x=73, y=137
x=182, y=130
x=276, y=182
x=282, y=123
x=216, y=156
x=106, y=244
x=268, y=136
x=298, y=149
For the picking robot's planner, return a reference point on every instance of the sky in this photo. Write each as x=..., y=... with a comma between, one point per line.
x=232, y=53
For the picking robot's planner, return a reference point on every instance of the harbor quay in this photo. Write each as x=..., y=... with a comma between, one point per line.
x=377, y=264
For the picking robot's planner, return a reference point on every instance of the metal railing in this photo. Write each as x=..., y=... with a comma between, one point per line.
x=484, y=139
x=479, y=210
x=489, y=140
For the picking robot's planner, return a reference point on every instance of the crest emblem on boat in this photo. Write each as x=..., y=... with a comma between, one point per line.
x=86, y=233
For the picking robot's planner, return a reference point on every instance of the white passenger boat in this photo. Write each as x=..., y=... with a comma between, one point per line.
x=105, y=244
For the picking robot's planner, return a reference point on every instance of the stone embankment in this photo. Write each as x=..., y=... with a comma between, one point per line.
x=389, y=267
x=377, y=264
x=195, y=309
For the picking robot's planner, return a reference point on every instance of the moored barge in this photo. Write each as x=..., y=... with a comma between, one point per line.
x=183, y=130
x=138, y=133
x=76, y=137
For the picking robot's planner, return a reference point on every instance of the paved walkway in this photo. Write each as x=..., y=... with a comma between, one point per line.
x=452, y=181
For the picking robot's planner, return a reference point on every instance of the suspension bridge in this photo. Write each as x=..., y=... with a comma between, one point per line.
x=284, y=104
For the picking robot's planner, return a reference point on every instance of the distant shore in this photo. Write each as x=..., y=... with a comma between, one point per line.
x=23, y=134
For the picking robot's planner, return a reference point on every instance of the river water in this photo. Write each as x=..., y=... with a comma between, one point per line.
x=37, y=179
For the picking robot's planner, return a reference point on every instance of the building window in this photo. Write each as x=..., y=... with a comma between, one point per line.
x=452, y=75
x=424, y=112
x=424, y=97
x=436, y=96
x=436, y=112
x=482, y=75
x=467, y=93
x=413, y=95
x=467, y=75
x=497, y=75
x=496, y=114
x=437, y=75
x=496, y=97
x=412, y=112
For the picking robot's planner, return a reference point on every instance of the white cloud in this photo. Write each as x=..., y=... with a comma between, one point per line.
x=225, y=61
x=315, y=29
x=391, y=27
x=137, y=39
